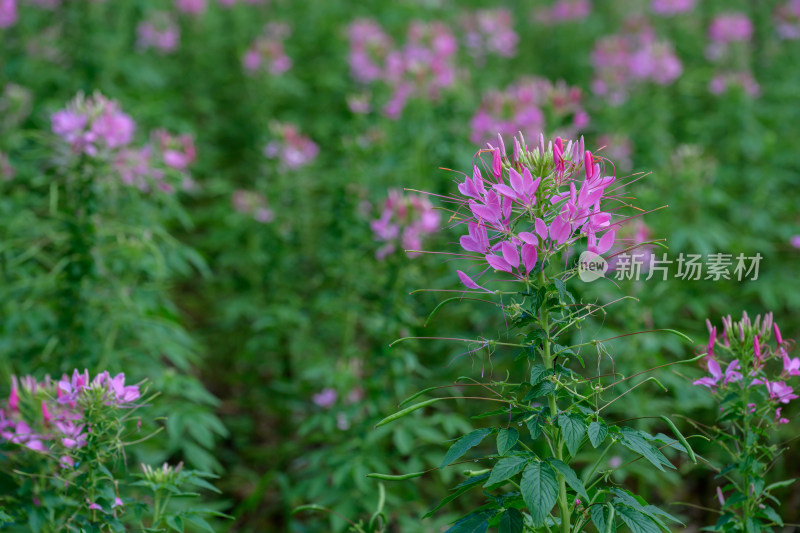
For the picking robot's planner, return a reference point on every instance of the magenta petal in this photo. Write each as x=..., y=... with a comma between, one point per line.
x=516, y=181
x=467, y=281
x=498, y=263
x=528, y=238
x=505, y=190
x=541, y=228
x=529, y=257
x=510, y=253
x=606, y=242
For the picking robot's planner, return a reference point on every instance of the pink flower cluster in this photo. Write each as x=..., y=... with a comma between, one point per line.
x=490, y=32
x=523, y=107
x=672, y=7
x=60, y=407
x=787, y=20
x=730, y=27
x=253, y=204
x=95, y=124
x=422, y=67
x=532, y=205
x=564, y=11
x=8, y=13
x=291, y=148
x=745, y=344
x=267, y=52
x=723, y=81
x=404, y=219
x=624, y=60
x=162, y=164
x=159, y=31
x=191, y=7
x=97, y=127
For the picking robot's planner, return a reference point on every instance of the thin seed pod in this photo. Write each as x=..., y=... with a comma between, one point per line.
x=610, y=521
x=407, y=410
x=398, y=477
x=681, y=438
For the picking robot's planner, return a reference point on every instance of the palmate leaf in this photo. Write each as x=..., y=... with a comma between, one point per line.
x=539, y=491
x=511, y=521
x=462, y=445
x=506, y=468
x=574, y=428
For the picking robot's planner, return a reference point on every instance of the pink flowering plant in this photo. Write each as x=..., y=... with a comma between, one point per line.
x=526, y=215
x=404, y=220
x=65, y=444
x=750, y=374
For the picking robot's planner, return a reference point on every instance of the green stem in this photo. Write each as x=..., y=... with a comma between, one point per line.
x=547, y=359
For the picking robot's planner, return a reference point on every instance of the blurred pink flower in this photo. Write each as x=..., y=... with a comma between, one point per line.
x=326, y=398
x=8, y=13
x=671, y=7
x=160, y=31
x=730, y=27
x=267, y=52
x=407, y=218
x=192, y=7
x=490, y=32
x=564, y=11
x=795, y=241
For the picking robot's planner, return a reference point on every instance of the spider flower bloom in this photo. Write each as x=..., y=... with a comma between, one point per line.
x=523, y=105
x=787, y=20
x=267, y=52
x=730, y=27
x=779, y=391
x=191, y=7
x=369, y=46
x=731, y=374
x=92, y=124
x=290, y=147
x=515, y=220
x=490, y=31
x=405, y=220
x=160, y=31
x=252, y=203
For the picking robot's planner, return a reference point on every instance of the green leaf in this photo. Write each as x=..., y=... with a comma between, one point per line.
x=477, y=522
x=506, y=468
x=599, y=514
x=538, y=373
x=574, y=428
x=175, y=523
x=539, y=491
x=545, y=388
x=534, y=427
x=511, y=521
x=780, y=484
x=597, y=433
x=466, y=486
x=770, y=514
x=570, y=477
x=506, y=439
x=463, y=444
x=636, y=442
x=636, y=520
x=561, y=287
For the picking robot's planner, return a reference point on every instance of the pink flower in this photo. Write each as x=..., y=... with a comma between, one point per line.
x=490, y=31
x=778, y=418
x=160, y=31
x=267, y=51
x=291, y=148
x=407, y=217
x=192, y=7
x=731, y=374
x=671, y=7
x=795, y=241
x=778, y=390
x=326, y=398
x=730, y=27
x=8, y=13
